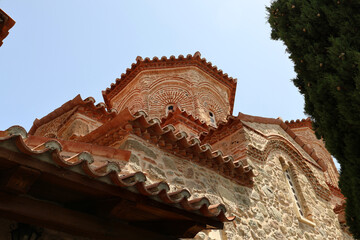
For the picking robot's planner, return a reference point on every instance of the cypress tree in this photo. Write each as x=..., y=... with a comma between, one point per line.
x=323, y=40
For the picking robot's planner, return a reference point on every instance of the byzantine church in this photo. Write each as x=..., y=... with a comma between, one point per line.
x=165, y=157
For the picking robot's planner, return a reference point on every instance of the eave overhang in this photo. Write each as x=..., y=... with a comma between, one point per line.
x=93, y=200
x=172, y=141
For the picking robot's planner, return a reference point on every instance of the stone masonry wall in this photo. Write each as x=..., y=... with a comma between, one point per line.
x=264, y=212
x=307, y=135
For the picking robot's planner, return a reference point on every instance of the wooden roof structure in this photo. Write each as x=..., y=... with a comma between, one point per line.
x=77, y=195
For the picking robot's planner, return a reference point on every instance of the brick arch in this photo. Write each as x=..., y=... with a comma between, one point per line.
x=209, y=86
x=277, y=143
x=173, y=80
x=170, y=94
x=294, y=172
x=133, y=101
x=210, y=100
x=330, y=173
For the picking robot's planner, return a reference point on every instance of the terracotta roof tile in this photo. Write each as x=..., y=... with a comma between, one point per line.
x=69, y=105
x=174, y=142
x=222, y=131
x=299, y=123
x=164, y=62
x=73, y=146
x=335, y=191
x=285, y=127
x=179, y=114
x=110, y=173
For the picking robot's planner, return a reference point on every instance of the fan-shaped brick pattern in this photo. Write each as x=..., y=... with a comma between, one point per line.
x=160, y=98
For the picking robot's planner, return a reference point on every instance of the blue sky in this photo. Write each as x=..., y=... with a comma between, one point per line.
x=58, y=49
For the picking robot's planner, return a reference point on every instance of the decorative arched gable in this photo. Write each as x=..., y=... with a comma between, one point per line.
x=170, y=90
x=277, y=143
x=210, y=100
x=133, y=101
x=163, y=96
x=331, y=174
x=169, y=79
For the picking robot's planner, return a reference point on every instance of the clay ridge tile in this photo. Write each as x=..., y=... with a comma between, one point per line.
x=180, y=112
x=219, y=130
x=299, y=123
x=69, y=105
x=72, y=146
x=163, y=62
x=110, y=173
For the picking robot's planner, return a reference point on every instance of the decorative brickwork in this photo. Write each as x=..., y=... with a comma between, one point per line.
x=187, y=86
x=73, y=119
x=162, y=97
x=304, y=131
x=184, y=121
x=164, y=63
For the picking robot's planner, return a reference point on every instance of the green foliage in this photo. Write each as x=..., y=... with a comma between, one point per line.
x=323, y=40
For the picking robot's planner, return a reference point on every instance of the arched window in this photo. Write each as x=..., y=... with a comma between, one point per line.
x=212, y=118
x=294, y=192
x=301, y=208
x=170, y=108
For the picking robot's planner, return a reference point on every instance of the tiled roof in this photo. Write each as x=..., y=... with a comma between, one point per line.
x=104, y=152
x=164, y=62
x=299, y=123
x=284, y=126
x=109, y=173
x=169, y=140
x=335, y=191
x=180, y=115
x=69, y=105
x=223, y=130
x=6, y=22
x=234, y=123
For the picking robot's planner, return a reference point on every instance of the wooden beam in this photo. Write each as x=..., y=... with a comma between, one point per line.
x=55, y=217
x=77, y=181
x=19, y=179
x=74, y=180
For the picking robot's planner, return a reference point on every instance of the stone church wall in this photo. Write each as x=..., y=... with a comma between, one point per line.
x=265, y=211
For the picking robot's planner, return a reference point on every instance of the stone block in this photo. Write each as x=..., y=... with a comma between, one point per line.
x=169, y=163
x=133, y=144
x=156, y=172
